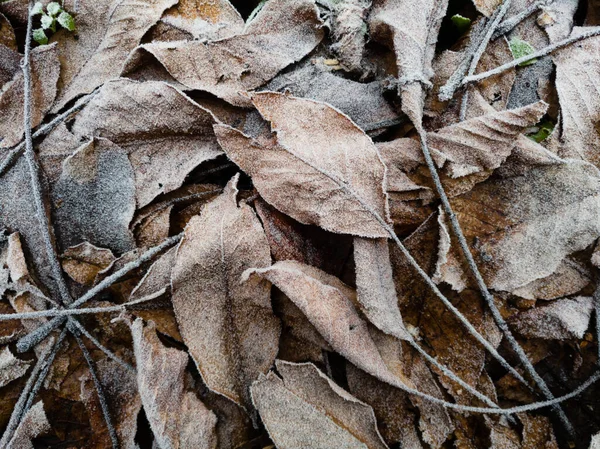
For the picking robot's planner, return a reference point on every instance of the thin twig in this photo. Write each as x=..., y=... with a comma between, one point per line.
x=34, y=171
x=70, y=312
x=16, y=151
x=597, y=314
x=481, y=47
x=593, y=31
x=28, y=341
x=497, y=316
x=510, y=23
x=100, y=391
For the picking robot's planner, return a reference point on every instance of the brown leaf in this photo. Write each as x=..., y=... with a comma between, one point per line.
x=395, y=417
x=364, y=103
x=228, y=326
x=168, y=138
x=32, y=425
x=537, y=432
x=84, y=261
x=7, y=34
x=327, y=412
x=205, y=19
x=177, y=417
x=341, y=175
x=486, y=7
x=327, y=303
x=106, y=34
x=44, y=74
x=525, y=226
x=562, y=319
x=577, y=82
x=11, y=368
x=282, y=33
x=95, y=197
x=375, y=286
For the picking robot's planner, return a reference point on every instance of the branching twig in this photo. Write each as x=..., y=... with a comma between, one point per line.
x=497, y=316
x=33, y=338
x=593, y=31
x=75, y=326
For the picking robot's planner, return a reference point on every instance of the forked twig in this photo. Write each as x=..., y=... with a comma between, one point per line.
x=510, y=23
x=36, y=336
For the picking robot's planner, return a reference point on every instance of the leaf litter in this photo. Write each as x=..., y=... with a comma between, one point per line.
x=305, y=223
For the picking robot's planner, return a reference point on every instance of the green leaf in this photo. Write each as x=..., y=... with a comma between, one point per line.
x=461, y=23
x=53, y=8
x=47, y=22
x=520, y=48
x=40, y=37
x=38, y=8
x=545, y=129
x=67, y=21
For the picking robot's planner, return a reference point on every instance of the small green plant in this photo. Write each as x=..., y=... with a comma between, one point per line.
x=54, y=14
x=461, y=23
x=520, y=48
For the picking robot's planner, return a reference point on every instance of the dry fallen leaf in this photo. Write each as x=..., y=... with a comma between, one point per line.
x=11, y=368
x=177, y=417
x=284, y=30
x=304, y=408
x=338, y=192
x=106, y=33
x=228, y=326
x=170, y=138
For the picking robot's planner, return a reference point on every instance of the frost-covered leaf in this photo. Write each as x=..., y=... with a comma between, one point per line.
x=32, y=425
x=526, y=225
x=96, y=194
x=320, y=169
x=44, y=75
x=375, y=286
x=66, y=21
x=284, y=32
x=177, y=417
x=106, y=34
x=364, y=103
x=228, y=326
x=562, y=319
x=170, y=136
x=205, y=19
x=305, y=408
x=350, y=32
x=11, y=368
x=328, y=304
x=84, y=261
x=577, y=84
x=411, y=29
